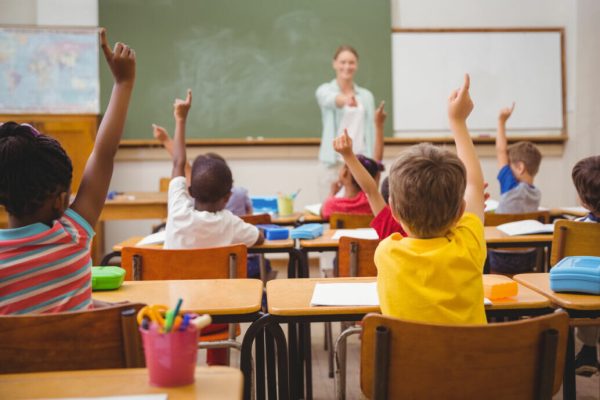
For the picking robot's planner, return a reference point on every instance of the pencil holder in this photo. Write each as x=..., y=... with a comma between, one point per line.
x=170, y=357
x=285, y=205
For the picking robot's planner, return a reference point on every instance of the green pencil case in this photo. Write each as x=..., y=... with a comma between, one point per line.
x=107, y=278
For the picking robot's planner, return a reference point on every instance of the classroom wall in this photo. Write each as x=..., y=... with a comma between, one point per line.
x=290, y=168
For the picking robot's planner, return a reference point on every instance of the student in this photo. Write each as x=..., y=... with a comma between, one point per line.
x=239, y=203
x=45, y=253
x=383, y=222
x=435, y=274
x=586, y=177
x=518, y=163
x=198, y=218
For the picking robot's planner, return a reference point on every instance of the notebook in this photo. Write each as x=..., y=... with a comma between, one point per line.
x=525, y=227
x=361, y=233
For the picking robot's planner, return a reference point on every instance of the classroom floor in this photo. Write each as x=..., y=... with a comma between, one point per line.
x=323, y=389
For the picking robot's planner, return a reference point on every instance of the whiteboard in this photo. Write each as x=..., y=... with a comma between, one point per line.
x=507, y=66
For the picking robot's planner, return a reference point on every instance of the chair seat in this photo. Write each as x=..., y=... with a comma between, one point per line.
x=220, y=335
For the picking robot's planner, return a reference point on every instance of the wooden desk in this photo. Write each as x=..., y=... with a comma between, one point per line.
x=573, y=211
x=289, y=302
x=211, y=383
x=217, y=297
x=143, y=205
x=577, y=306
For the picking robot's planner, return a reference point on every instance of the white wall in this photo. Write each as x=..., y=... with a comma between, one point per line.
x=272, y=174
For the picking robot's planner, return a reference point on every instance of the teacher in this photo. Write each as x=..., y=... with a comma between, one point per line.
x=344, y=105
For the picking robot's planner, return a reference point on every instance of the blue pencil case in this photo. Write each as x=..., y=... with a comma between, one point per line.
x=264, y=204
x=576, y=274
x=274, y=232
x=307, y=231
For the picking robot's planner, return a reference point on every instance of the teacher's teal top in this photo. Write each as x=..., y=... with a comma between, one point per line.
x=332, y=115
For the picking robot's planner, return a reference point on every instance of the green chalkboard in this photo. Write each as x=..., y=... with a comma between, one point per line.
x=253, y=65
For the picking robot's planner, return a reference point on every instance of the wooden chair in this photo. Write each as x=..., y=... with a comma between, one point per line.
x=257, y=219
x=573, y=238
x=92, y=339
x=355, y=258
x=493, y=219
x=163, y=184
x=349, y=221
x=212, y=263
x=512, y=360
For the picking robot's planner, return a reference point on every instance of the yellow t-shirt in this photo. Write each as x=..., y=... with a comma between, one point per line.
x=435, y=280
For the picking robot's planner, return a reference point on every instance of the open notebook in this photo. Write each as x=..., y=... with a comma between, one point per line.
x=360, y=233
x=349, y=294
x=155, y=238
x=526, y=227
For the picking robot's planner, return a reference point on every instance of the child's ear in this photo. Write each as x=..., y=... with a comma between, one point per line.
x=227, y=197
x=520, y=167
x=60, y=204
x=462, y=209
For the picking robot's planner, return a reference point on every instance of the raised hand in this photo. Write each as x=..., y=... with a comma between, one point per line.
x=380, y=114
x=343, y=144
x=160, y=133
x=506, y=112
x=351, y=101
x=182, y=107
x=460, y=104
x=121, y=60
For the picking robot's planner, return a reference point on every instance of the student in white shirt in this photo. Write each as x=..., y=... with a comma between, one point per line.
x=198, y=218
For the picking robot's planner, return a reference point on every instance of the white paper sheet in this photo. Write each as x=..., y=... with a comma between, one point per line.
x=155, y=238
x=491, y=205
x=314, y=209
x=345, y=294
x=361, y=233
x=526, y=227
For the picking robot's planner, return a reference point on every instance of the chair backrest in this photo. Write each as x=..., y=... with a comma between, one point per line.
x=355, y=257
x=349, y=221
x=163, y=184
x=149, y=264
x=93, y=339
x=493, y=219
x=512, y=360
x=573, y=238
x=256, y=219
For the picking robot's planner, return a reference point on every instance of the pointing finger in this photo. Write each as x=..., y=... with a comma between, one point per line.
x=104, y=44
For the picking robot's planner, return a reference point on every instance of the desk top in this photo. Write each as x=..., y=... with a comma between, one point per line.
x=291, y=297
x=268, y=244
x=492, y=236
x=541, y=284
x=210, y=296
x=211, y=383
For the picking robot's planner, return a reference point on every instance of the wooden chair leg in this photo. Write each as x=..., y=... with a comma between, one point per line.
x=382, y=361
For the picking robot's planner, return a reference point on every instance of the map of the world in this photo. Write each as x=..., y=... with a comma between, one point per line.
x=49, y=71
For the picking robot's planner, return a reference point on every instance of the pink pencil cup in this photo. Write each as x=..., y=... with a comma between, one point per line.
x=170, y=357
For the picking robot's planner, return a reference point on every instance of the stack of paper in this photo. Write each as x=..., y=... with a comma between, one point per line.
x=155, y=238
x=345, y=294
x=525, y=227
x=361, y=233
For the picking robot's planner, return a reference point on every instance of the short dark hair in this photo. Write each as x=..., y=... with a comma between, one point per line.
x=528, y=154
x=211, y=179
x=427, y=186
x=33, y=166
x=373, y=167
x=385, y=190
x=586, y=177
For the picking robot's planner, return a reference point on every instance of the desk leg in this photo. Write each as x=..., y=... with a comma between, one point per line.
x=259, y=365
x=271, y=377
x=293, y=354
x=569, y=386
x=308, y=360
x=295, y=264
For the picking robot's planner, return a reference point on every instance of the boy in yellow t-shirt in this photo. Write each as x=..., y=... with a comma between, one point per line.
x=435, y=274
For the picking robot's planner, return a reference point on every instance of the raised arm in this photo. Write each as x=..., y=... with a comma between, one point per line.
x=162, y=136
x=99, y=167
x=380, y=116
x=343, y=145
x=459, y=108
x=180, y=112
x=501, y=142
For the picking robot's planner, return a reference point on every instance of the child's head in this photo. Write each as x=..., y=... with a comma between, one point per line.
x=586, y=177
x=427, y=186
x=524, y=157
x=35, y=173
x=385, y=190
x=211, y=181
x=373, y=168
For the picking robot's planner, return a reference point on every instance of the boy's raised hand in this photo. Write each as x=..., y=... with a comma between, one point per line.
x=460, y=104
x=506, y=112
x=121, y=60
x=159, y=133
x=380, y=114
x=343, y=144
x=182, y=107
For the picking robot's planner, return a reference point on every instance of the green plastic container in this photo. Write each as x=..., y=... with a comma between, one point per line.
x=107, y=278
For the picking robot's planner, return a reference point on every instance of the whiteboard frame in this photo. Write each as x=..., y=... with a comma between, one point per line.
x=563, y=136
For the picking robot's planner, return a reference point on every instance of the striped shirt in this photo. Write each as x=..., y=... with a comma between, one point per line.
x=46, y=270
